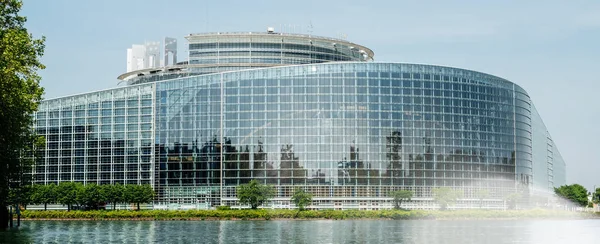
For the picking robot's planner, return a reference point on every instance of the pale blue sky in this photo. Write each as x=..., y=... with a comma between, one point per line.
x=551, y=48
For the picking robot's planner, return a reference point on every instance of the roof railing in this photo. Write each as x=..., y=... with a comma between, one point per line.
x=266, y=33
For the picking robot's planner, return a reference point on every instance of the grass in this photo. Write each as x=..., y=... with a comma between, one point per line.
x=263, y=214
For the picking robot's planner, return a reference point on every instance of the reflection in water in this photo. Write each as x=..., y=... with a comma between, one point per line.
x=313, y=231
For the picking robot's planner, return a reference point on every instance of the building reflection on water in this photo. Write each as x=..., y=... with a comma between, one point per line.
x=306, y=231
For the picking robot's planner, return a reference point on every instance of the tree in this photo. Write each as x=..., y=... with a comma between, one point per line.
x=301, y=198
x=44, y=194
x=90, y=196
x=596, y=196
x=145, y=195
x=138, y=194
x=445, y=196
x=512, y=199
x=129, y=193
x=400, y=196
x=482, y=194
x=575, y=193
x=113, y=194
x=254, y=193
x=67, y=193
x=21, y=196
x=19, y=98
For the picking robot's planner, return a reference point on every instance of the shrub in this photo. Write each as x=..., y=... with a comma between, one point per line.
x=223, y=207
x=301, y=198
x=308, y=214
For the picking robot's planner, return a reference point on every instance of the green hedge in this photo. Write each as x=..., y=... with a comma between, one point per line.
x=309, y=214
x=224, y=207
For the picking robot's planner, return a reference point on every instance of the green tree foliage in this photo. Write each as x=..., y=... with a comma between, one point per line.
x=113, y=194
x=596, y=196
x=138, y=194
x=399, y=196
x=575, y=193
x=482, y=194
x=67, y=193
x=44, y=194
x=301, y=198
x=512, y=200
x=254, y=193
x=146, y=195
x=445, y=196
x=21, y=196
x=90, y=196
x=20, y=95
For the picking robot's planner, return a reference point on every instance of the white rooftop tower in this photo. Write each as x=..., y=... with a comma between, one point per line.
x=170, y=48
x=143, y=56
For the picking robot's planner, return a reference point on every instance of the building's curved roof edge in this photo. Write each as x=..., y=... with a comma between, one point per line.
x=122, y=76
x=364, y=63
x=135, y=73
x=100, y=90
x=447, y=67
x=290, y=66
x=458, y=68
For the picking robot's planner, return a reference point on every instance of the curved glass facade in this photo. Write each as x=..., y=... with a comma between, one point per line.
x=344, y=131
x=348, y=132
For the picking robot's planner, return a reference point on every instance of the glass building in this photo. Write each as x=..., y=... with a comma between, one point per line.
x=301, y=111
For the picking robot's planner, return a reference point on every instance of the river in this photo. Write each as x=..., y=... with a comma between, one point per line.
x=307, y=231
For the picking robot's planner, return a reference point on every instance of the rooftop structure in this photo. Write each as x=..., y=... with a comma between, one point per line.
x=227, y=51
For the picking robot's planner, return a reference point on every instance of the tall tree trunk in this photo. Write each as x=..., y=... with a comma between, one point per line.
x=138, y=206
x=68, y=207
x=3, y=217
x=114, y=205
x=45, y=206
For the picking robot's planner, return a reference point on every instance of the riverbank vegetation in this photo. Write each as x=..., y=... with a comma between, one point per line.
x=267, y=214
x=400, y=196
x=301, y=199
x=90, y=196
x=574, y=193
x=254, y=193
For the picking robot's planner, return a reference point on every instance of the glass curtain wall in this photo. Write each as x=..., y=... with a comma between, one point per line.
x=349, y=133
x=102, y=137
